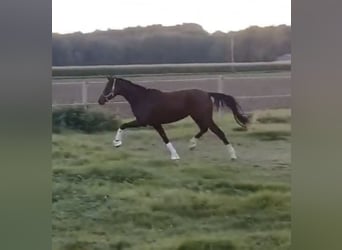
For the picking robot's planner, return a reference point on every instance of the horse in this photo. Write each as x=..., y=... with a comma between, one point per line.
x=152, y=107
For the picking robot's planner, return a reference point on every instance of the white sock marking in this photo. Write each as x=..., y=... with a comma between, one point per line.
x=118, y=138
x=193, y=143
x=174, y=155
x=231, y=151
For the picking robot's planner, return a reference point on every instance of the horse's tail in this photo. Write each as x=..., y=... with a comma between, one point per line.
x=221, y=100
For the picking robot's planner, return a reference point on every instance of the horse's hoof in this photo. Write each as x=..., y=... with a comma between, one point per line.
x=175, y=158
x=233, y=158
x=117, y=143
x=193, y=143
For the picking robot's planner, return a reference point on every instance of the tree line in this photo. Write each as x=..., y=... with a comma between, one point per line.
x=186, y=43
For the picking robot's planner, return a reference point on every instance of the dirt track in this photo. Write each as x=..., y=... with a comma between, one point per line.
x=258, y=91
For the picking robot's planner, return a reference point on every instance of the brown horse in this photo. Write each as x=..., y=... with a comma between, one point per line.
x=152, y=107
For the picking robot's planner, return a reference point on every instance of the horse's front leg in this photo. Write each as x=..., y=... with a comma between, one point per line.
x=160, y=130
x=117, y=142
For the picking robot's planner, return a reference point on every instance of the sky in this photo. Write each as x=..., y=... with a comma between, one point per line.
x=215, y=15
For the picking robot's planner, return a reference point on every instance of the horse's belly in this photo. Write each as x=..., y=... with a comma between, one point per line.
x=169, y=114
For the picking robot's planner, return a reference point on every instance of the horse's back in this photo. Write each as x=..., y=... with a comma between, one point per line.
x=191, y=94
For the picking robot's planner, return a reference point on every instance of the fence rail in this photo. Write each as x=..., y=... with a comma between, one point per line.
x=215, y=83
x=124, y=102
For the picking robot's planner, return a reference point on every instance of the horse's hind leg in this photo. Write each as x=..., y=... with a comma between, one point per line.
x=161, y=131
x=203, y=126
x=117, y=142
x=216, y=130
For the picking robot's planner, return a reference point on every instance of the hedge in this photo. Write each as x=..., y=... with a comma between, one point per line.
x=190, y=68
x=80, y=119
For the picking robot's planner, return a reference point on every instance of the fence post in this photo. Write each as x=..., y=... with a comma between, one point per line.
x=220, y=84
x=85, y=94
x=220, y=90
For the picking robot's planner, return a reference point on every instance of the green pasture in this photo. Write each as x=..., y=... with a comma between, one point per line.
x=135, y=197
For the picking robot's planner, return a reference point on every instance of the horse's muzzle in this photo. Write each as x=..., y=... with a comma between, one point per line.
x=101, y=100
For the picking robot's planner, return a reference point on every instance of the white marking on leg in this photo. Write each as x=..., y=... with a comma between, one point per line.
x=117, y=142
x=174, y=155
x=192, y=143
x=231, y=151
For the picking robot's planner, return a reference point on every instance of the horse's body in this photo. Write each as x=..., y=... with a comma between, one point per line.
x=160, y=108
x=154, y=108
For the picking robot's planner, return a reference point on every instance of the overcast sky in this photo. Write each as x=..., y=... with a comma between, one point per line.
x=224, y=15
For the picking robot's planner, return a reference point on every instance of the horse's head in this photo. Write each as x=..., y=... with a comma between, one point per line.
x=118, y=86
x=111, y=90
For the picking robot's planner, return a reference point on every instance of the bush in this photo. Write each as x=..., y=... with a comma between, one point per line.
x=78, y=118
x=274, y=119
x=188, y=68
x=271, y=135
x=273, y=116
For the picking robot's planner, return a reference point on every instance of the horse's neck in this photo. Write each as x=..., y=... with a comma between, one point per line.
x=134, y=94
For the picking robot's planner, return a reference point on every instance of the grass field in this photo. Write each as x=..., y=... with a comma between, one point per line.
x=134, y=197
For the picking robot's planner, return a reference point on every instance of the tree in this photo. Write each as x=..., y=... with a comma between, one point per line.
x=186, y=43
